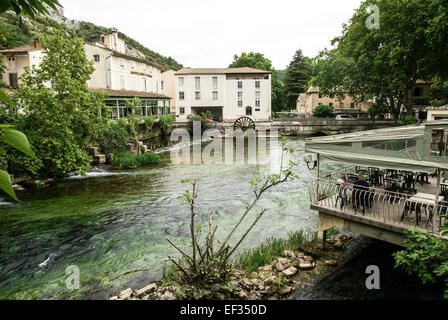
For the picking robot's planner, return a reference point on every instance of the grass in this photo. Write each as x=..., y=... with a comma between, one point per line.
x=127, y=161
x=251, y=260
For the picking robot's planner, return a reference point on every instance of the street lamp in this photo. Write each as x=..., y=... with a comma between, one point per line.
x=309, y=158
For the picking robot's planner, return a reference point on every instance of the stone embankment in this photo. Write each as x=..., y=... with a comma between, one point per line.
x=293, y=271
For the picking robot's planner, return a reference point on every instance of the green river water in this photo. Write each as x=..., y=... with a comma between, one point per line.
x=114, y=222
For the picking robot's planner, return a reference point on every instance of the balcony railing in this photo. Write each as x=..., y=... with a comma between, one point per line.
x=387, y=207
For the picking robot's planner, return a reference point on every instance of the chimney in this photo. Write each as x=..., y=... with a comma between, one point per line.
x=36, y=44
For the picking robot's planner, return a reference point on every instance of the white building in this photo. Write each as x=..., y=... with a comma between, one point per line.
x=124, y=73
x=227, y=93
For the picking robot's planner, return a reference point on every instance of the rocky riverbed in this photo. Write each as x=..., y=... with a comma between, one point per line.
x=287, y=277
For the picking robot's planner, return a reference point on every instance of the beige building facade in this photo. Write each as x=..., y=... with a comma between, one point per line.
x=169, y=88
x=308, y=101
x=15, y=61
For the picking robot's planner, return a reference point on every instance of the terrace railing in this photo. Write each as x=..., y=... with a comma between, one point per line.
x=388, y=207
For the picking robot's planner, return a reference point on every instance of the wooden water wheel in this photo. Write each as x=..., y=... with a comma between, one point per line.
x=244, y=123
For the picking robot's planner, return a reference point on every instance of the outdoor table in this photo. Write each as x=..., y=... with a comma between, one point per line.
x=417, y=202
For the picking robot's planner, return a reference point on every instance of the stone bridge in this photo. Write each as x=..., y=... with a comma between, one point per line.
x=324, y=126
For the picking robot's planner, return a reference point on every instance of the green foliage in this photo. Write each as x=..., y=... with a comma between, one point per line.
x=113, y=137
x=166, y=121
x=205, y=125
x=63, y=120
x=408, y=120
x=18, y=32
x=259, y=61
x=427, y=257
x=323, y=111
x=251, y=260
x=439, y=92
x=410, y=44
x=29, y=7
x=12, y=35
x=298, y=75
x=379, y=108
x=128, y=161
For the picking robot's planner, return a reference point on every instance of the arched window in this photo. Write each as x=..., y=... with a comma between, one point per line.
x=248, y=111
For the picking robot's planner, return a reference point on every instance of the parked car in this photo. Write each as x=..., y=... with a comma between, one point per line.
x=344, y=117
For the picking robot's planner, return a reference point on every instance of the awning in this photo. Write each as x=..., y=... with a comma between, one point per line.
x=413, y=148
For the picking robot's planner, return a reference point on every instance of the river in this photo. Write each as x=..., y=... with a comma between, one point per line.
x=113, y=223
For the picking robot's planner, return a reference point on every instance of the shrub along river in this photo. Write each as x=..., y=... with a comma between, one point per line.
x=112, y=224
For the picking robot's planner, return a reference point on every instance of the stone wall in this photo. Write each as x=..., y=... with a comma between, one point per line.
x=325, y=126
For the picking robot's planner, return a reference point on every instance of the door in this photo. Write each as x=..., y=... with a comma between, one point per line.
x=13, y=80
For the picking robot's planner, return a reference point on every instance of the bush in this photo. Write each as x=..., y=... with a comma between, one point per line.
x=127, y=161
x=323, y=111
x=205, y=125
x=113, y=137
x=408, y=120
x=166, y=121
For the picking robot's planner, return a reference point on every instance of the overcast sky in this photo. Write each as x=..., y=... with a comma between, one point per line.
x=207, y=33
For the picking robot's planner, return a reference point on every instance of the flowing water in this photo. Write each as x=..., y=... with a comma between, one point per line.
x=112, y=223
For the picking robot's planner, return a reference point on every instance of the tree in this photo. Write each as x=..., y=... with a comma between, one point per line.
x=29, y=7
x=410, y=44
x=298, y=75
x=60, y=121
x=323, y=111
x=16, y=139
x=259, y=61
x=439, y=92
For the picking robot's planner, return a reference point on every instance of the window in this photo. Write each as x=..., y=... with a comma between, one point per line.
x=257, y=84
x=150, y=86
x=197, y=95
x=122, y=62
x=181, y=81
x=352, y=105
x=143, y=67
x=215, y=82
x=144, y=88
x=161, y=85
x=240, y=99
x=248, y=111
x=157, y=86
x=240, y=84
x=197, y=83
x=181, y=95
x=133, y=83
x=96, y=58
x=215, y=95
x=181, y=110
x=133, y=65
x=11, y=59
x=122, y=82
x=150, y=69
x=257, y=110
x=257, y=98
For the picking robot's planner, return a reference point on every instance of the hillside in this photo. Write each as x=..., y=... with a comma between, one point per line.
x=15, y=32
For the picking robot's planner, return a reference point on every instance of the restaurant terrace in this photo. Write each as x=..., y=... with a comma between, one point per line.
x=393, y=179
